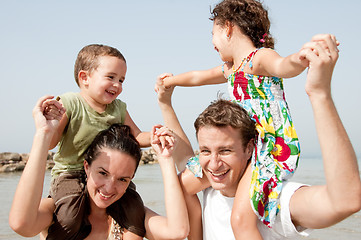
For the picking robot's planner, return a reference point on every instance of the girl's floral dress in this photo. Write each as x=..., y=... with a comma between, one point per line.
x=277, y=147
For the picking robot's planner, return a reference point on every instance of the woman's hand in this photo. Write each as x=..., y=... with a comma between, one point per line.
x=175, y=225
x=29, y=215
x=163, y=141
x=47, y=113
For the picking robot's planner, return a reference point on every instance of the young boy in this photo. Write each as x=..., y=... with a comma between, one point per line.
x=99, y=72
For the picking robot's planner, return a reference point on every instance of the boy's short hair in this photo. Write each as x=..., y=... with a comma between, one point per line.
x=87, y=59
x=223, y=113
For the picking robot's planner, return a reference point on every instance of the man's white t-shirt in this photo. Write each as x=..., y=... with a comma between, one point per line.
x=217, y=217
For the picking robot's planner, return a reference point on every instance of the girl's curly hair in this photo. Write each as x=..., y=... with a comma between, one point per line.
x=249, y=15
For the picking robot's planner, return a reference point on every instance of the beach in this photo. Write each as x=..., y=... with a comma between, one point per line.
x=149, y=184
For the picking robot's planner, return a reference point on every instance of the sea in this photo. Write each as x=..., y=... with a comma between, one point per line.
x=150, y=186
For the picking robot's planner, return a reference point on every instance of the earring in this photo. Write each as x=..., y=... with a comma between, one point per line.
x=228, y=37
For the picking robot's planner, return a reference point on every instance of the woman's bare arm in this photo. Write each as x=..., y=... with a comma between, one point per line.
x=29, y=215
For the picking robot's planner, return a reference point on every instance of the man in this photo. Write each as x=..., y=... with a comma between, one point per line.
x=225, y=151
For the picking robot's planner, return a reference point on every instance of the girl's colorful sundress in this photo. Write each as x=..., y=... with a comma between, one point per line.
x=277, y=148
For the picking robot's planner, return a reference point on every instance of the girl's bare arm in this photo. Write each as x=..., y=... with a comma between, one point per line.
x=268, y=62
x=196, y=78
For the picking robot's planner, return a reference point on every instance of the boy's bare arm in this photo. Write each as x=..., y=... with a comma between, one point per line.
x=142, y=137
x=58, y=134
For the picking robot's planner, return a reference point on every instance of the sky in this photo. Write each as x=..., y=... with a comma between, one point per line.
x=40, y=41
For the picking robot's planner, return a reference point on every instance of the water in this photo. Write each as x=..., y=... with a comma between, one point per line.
x=148, y=180
x=150, y=186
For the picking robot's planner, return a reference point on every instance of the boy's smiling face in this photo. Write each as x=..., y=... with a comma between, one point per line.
x=103, y=85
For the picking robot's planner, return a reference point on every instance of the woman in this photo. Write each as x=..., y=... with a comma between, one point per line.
x=111, y=162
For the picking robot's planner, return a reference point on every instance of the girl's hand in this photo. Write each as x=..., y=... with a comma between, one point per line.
x=304, y=62
x=163, y=141
x=164, y=94
x=47, y=113
x=160, y=81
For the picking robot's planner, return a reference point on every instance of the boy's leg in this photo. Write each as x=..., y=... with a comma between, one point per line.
x=69, y=195
x=243, y=219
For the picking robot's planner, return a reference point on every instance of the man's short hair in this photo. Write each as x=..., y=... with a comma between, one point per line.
x=223, y=113
x=87, y=59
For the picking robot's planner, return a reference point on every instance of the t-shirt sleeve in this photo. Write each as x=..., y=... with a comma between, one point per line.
x=284, y=224
x=69, y=102
x=122, y=106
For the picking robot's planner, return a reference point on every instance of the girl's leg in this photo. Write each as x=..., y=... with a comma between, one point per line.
x=191, y=185
x=243, y=219
x=195, y=217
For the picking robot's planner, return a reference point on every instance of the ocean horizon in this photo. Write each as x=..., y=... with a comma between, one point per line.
x=150, y=186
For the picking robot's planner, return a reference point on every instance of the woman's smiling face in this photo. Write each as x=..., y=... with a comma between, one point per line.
x=109, y=176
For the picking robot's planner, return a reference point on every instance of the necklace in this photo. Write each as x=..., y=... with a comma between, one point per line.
x=117, y=231
x=245, y=60
x=240, y=65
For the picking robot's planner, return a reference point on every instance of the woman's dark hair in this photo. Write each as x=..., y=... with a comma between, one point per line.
x=249, y=15
x=116, y=137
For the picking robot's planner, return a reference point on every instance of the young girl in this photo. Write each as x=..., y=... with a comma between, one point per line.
x=254, y=73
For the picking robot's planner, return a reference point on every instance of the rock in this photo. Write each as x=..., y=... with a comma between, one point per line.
x=12, y=167
x=9, y=156
x=12, y=162
x=148, y=157
x=24, y=157
x=50, y=164
x=51, y=155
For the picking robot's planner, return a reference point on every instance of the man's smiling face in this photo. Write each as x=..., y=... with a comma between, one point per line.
x=223, y=157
